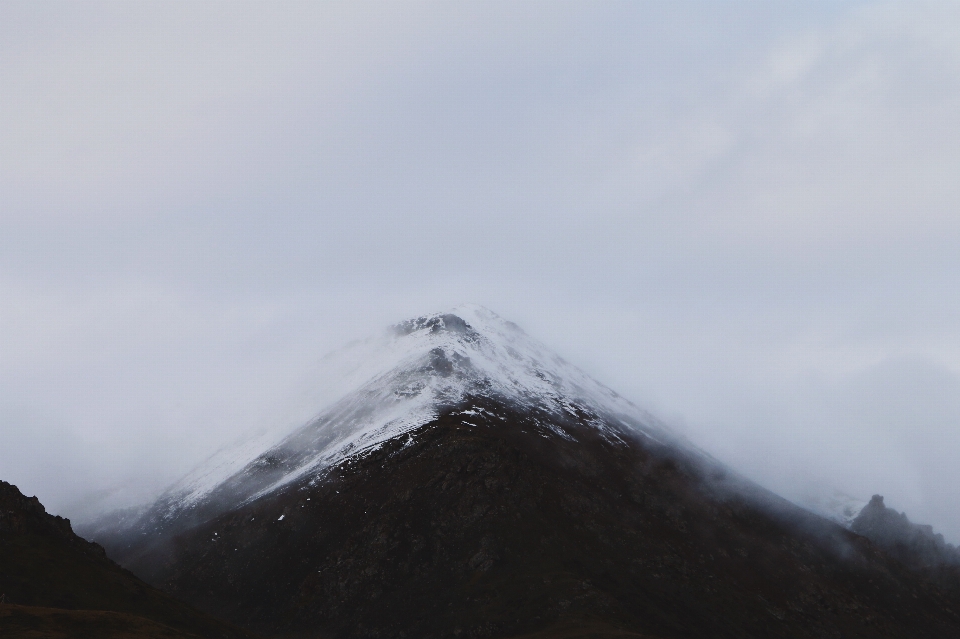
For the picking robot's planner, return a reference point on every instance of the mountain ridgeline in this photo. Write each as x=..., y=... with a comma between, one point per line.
x=56, y=584
x=473, y=484
x=916, y=545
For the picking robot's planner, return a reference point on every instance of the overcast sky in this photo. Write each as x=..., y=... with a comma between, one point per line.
x=743, y=216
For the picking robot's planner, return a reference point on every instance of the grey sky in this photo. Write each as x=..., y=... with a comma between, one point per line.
x=741, y=215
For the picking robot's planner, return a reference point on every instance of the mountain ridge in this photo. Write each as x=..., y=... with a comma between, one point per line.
x=53, y=581
x=916, y=545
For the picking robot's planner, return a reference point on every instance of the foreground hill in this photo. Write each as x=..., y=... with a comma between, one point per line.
x=56, y=584
x=479, y=486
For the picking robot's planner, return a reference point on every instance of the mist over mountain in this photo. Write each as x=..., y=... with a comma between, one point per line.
x=475, y=484
x=741, y=216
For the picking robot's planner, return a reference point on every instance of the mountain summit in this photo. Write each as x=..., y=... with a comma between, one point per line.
x=402, y=380
x=470, y=483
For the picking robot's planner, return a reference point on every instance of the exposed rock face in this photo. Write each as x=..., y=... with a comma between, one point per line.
x=22, y=516
x=45, y=566
x=915, y=545
x=485, y=523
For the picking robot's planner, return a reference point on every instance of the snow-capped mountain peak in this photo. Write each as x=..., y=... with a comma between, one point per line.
x=404, y=379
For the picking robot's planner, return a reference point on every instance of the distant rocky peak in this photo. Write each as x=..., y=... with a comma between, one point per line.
x=435, y=324
x=465, y=323
x=913, y=544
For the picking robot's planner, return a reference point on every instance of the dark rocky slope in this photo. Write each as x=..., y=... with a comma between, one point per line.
x=56, y=584
x=496, y=526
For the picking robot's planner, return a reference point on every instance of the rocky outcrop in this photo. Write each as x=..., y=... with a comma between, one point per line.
x=56, y=584
x=21, y=515
x=915, y=545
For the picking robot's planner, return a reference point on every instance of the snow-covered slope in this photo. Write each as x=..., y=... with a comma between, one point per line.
x=402, y=380
x=836, y=506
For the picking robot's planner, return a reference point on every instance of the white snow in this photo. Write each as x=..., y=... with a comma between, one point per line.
x=401, y=380
x=837, y=505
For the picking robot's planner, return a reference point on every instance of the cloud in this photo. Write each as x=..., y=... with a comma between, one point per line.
x=708, y=206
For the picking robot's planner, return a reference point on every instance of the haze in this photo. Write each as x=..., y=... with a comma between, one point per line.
x=742, y=216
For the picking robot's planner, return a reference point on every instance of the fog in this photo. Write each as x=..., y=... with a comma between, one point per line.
x=742, y=216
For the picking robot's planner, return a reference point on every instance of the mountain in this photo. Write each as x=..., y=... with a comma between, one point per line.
x=56, y=584
x=473, y=484
x=397, y=383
